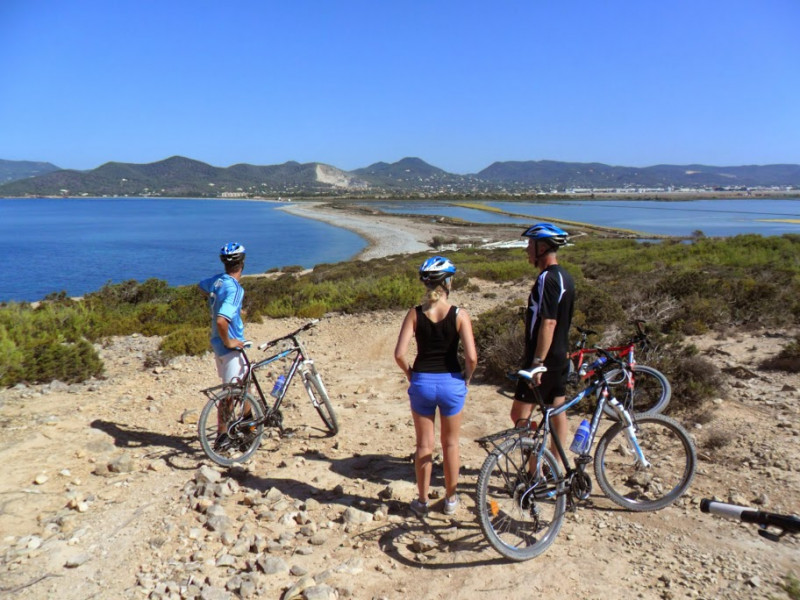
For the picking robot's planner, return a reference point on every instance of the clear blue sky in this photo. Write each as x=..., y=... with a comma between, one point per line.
x=459, y=83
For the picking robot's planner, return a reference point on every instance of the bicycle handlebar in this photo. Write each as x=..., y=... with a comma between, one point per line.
x=786, y=523
x=288, y=336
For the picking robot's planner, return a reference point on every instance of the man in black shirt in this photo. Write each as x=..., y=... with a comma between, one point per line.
x=547, y=323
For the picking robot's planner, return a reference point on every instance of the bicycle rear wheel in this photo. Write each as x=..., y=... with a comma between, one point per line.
x=319, y=398
x=668, y=449
x=224, y=427
x=650, y=395
x=520, y=514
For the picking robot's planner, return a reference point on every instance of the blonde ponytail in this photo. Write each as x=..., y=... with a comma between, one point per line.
x=435, y=293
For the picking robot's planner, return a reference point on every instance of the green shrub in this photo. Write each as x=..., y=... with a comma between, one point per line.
x=791, y=585
x=694, y=379
x=190, y=341
x=500, y=341
x=70, y=362
x=293, y=269
x=11, y=367
x=684, y=288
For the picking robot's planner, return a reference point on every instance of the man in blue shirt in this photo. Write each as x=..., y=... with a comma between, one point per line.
x=225, y=296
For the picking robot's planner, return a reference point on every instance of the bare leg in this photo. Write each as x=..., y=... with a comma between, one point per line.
x=423, y=459
x=520, y=410
x=560, y=427
x=451, y=429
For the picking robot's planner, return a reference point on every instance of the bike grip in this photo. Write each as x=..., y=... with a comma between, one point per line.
x=529, y=374
x=729, y=511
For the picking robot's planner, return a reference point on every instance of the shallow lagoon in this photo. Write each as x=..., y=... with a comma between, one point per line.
x=725, y=217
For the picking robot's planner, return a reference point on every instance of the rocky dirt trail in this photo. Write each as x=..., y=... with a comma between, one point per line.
x=106, y=493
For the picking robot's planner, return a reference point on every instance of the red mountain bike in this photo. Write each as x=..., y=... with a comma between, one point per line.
x=647, y=392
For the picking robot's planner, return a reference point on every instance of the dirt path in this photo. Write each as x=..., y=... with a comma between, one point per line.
x=329, y=515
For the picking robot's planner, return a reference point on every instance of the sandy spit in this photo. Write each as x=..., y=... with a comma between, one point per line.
x=386, y=235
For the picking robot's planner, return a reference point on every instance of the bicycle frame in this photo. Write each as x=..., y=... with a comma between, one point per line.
x=250, y=378
x=624, y=352
x=601, y=387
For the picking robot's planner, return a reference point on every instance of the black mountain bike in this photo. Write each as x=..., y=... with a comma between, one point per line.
x=232, y=422
x=642, y=463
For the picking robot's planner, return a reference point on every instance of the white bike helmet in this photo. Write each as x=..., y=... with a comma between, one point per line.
x=437, y=269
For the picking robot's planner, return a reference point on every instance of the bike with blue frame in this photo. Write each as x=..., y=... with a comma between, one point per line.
x=643, y=462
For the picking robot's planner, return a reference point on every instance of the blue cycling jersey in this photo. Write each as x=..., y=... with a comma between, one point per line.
x=225, y=296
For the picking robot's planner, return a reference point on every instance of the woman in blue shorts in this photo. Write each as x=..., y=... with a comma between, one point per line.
x=437, y=379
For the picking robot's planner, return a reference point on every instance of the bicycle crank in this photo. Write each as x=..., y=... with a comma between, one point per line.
x=581, y=487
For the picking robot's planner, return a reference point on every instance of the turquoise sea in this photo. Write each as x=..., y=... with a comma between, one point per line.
x=77, y=245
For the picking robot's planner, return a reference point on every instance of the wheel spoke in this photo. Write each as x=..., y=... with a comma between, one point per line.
x=669, y=452
x=516, y=521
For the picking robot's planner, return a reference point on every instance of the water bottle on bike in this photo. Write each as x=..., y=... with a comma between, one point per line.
x=581, y=442
x=278, y=387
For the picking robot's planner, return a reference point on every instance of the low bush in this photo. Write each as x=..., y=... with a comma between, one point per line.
x=499, y=339
x=70, y=362
x=788, y=359
x=190, y=341
x=745, y=281
x=694, y=379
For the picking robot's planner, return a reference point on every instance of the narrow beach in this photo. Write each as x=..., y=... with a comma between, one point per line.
x=385, y=235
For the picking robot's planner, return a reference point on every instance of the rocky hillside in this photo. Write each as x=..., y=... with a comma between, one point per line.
x=106, y=493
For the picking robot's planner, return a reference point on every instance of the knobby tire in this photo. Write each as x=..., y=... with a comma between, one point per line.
x=651, y=392
x=517, y=521
x=667, y=447
x=244, y=441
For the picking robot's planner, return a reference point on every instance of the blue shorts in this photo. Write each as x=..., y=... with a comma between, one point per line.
x=448, y=391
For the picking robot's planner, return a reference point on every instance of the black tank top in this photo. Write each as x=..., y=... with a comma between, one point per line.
x=437, y=343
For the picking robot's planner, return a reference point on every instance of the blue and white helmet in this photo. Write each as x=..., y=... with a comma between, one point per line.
x=436, y=269
x=232, y=252
x=547, y=232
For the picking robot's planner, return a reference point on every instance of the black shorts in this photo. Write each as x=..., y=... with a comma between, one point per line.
x=554, y=385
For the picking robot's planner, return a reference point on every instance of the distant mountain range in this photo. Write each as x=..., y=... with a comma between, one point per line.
x=183, y=177
x=12, y=170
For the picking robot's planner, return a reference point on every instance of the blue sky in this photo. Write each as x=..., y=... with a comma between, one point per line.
x=459, y=84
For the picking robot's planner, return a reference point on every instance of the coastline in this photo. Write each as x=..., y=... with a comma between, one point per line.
x=385, y=234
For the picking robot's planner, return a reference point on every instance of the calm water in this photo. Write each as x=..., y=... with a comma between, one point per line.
x=680, y=218
x=78, y=245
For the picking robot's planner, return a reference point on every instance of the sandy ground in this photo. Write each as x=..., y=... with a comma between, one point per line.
x=106, y=492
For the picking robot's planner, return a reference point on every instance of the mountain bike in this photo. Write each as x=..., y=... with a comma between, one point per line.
x=642, y=463
x=784, y=523
x=233, y=420
x=647, y=391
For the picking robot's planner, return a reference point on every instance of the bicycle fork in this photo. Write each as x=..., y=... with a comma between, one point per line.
x=630, y=430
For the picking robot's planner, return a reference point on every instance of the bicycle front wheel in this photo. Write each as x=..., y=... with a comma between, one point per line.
x=666, y=447
x=225, y=428
x=650, y=395
x=519, y=513
x=319, y=398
